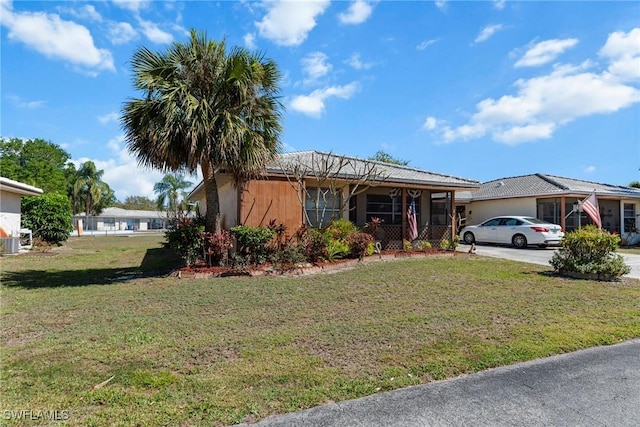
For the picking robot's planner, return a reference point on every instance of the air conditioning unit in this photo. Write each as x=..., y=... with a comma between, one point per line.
x=9, y=245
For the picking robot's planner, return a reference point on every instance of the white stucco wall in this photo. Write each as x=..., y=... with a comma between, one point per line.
x=481, y=210
x=10, y=212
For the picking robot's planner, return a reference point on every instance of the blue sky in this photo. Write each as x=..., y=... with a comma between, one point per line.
x=481, y=90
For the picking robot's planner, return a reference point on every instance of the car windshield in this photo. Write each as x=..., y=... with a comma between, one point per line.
x=535, y=220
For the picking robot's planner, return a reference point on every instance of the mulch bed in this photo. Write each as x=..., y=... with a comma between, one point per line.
x=202, y=271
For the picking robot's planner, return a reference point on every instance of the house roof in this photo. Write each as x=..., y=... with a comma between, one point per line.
x=538, y=184
x=12, y=186
x=346, y=167
x=128, y=213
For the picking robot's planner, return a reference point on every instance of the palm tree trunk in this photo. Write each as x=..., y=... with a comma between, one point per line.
x=213, y=221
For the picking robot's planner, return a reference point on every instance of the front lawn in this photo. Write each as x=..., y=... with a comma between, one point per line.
x=227, y=350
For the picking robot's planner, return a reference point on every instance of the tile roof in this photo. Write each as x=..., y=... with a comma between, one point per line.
x=542, y=185
x=352, y=167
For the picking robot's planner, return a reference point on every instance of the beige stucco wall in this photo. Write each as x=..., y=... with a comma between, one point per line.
x=228, y=196
x=481, y=210
x=10, y=212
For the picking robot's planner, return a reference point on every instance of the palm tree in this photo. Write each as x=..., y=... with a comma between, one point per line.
x=204, y=107
x=170, y=191
x=88, y=189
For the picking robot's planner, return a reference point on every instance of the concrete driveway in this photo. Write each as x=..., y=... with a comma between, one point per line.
x=540, y=256
x=595, y=387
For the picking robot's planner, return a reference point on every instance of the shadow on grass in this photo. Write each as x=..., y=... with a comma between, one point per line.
x=156, y=263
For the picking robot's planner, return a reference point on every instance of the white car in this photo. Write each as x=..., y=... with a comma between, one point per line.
x=519, y=231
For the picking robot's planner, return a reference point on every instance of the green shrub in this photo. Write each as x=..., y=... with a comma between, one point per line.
x=252, y=241
x=359, y=244
x=424, y=245
x=186, y=239
x=450, y=245
x=590, y=250
x=216, y=246
x=49, y=216
x=337, y=249
x=340, y=229
x=288, y=257
x=313, y=242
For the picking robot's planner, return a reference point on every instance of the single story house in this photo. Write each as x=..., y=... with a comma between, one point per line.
x=120, y=220
x=11, y=193
x=554, y=199
x=313, y=187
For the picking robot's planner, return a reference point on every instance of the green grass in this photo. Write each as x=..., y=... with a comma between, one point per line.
x=223, y=351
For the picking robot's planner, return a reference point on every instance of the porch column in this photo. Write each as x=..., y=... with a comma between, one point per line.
x=403, y=215
x=562, y=213
x=454, y=218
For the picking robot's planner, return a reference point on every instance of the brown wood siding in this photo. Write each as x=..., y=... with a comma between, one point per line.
x=264, y=200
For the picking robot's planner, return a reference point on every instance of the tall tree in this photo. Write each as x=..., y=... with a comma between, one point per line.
x=90, y=194
x=634, y=184
x=137, y=203
x=383, y=156
x=171, y=192
x=204, y=107
x=35, y=162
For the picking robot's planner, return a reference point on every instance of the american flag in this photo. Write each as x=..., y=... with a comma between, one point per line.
x=413, y=224
x=590, y=206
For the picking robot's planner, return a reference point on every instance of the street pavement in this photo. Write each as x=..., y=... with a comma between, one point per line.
x=536, y=255
x=594, y=387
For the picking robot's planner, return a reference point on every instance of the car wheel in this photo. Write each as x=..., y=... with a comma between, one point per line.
x=469, y=238
x=519, y=241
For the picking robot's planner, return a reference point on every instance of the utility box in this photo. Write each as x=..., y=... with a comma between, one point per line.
x=9, y=245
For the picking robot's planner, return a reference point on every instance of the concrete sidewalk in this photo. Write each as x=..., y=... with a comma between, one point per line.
x=594, y=387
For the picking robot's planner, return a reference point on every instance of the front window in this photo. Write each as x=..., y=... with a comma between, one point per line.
x=388, y=209
x=629, y=217
x=322, y=205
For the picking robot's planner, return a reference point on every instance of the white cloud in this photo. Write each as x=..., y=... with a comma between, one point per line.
x=358, y=12
x=21, y=103
x=87, y=12
x=122, y=172
x=545, y=52
x=287, y=23
x=121, y=33
x=357, y=63
x=623, y=50
x=314, y=103
x=154, y=33
x=499, y=4
x=425, y=44
x=487, y=32
x=56, y=38
x=441, y=4
x=430, y=123
x=544, y=103
x=315, y=66
x=590, y=169
x=109, y=117
x=250, y=41
x=132, y=5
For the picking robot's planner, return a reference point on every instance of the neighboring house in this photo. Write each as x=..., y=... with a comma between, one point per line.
x=553, y=198
x=11, y=193
x=120, y=220
x=312, y=187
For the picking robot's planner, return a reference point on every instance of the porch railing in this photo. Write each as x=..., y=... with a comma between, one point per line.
x=390, y=236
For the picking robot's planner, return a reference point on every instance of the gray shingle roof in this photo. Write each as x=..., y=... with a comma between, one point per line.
x=543, y=185
x=347, y=167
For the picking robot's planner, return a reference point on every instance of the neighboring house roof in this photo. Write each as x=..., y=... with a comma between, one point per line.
x=346, y=167
x=538, y=184
x=128, y=213
x=12, y=186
